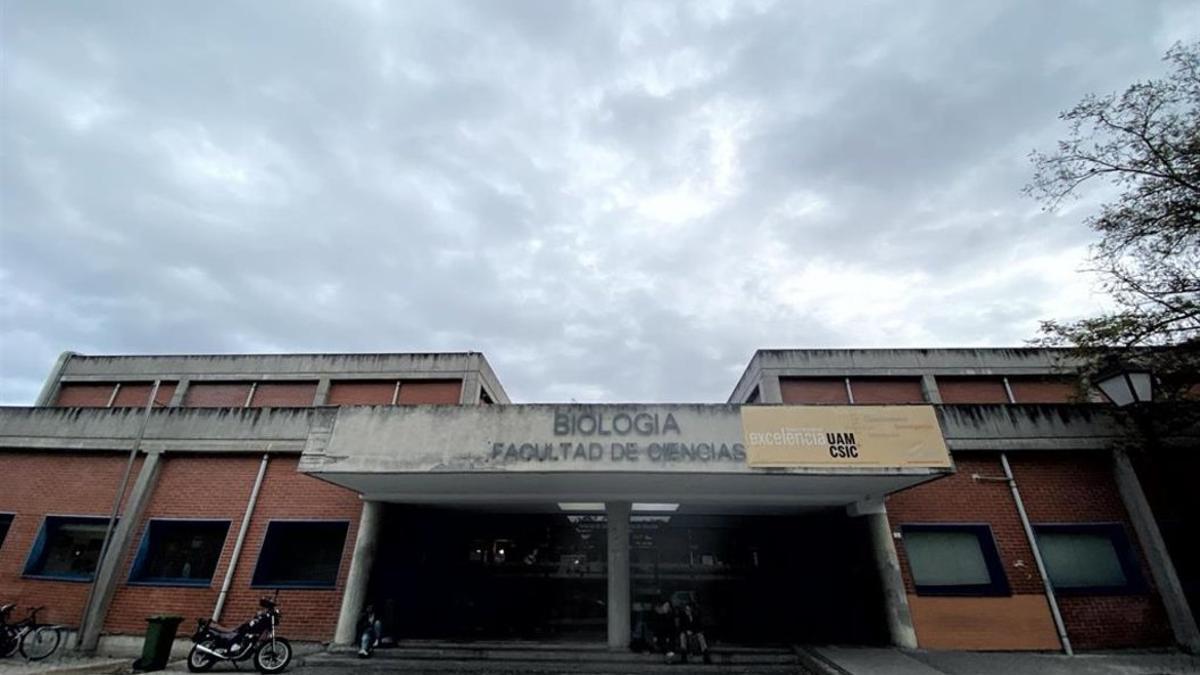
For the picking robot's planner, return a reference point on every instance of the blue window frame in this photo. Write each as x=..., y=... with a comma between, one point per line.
x=1089, y=559
x=179, y=552
x=5, y=523
x=67, y=548
x=301, y=554
x=954, y=559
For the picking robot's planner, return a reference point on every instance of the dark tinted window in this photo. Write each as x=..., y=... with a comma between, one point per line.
x=301, y=553
x=179, y=552
x=954, y=560
x=5, y=522
x=67, y=547
x=1088, y=558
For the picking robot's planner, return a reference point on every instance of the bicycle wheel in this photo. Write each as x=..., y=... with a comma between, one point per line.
x=40, y=642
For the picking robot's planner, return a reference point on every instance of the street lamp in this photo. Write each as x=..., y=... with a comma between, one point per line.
x=1125, y=385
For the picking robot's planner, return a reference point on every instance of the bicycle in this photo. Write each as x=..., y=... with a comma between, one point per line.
x=35, y=641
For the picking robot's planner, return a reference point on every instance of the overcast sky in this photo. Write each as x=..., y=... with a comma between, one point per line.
x=612, y=201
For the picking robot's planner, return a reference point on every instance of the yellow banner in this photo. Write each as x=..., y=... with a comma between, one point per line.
x=825, y=436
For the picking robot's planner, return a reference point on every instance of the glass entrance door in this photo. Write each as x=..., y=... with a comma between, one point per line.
x=761, y=579
x=458, y=574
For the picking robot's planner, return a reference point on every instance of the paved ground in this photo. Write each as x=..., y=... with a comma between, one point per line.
x=840, y=660
x=895, y=662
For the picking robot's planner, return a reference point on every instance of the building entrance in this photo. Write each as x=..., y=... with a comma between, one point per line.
x=757, y=579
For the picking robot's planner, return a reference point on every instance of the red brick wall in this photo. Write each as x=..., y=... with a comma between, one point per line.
x=1056, y=488
x=813, y=390
x=1043, y=389
x=446, y=392
x=217, y=487
x=135, y=395
x=287, y=394
x=958, y=499
x=369, y=392
x=1080, y=488
x=216, y=394
x=886, y=390
x=972, y=390
x=56, y=483
x=78, y=394
x=381, y=392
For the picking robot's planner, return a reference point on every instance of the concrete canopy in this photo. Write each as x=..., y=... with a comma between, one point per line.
x=535, y=455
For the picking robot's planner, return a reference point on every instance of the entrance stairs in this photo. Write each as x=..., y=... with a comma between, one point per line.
x=505, y=657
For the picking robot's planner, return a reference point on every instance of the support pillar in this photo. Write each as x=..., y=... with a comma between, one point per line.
x=887, y=565
x=321, y=395
x=106, y=570
x=929, y=388
x=769, y=390
x=1183, y=624
x=618, y=574
x=359, y=576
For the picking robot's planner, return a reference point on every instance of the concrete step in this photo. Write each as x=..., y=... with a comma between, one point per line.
x=531, y=657
x=343, y=663
x=563, y=652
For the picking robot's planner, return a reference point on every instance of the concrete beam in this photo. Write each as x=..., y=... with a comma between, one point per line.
x=105, y=581
x=1183, y=623
x=358, y=578
x=619, y=603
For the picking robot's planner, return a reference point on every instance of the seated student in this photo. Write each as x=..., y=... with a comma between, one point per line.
x=691, y=633
x=662, y=628
x=370, y=629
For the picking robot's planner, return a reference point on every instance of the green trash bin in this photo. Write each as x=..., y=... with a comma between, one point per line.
x=160, y=635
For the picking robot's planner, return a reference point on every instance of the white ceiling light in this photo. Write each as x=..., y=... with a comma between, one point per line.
x=581, y=506
x=649, y=507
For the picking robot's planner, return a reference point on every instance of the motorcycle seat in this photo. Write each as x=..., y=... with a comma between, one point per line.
x=222, y=631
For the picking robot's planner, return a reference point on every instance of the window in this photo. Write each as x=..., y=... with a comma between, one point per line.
x=1093, y=558
x=68, y=547
x=179, y=552
x=954, y=560
x=304, y=554
x=5, y=522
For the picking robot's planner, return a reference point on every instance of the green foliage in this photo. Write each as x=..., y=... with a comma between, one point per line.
x=1145, y=143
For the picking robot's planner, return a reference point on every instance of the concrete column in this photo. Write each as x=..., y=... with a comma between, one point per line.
x=470, y=389
x=887, y=564
x=359, y=576
x=49, y=390
x=180, y=391
x=1183, y=623
x=322, y=393
x=619, y=606
x=105, y=582
x=930, y=389
x=768, y=389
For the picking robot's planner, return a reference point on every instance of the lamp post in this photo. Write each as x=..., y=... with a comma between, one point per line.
x=1125, y=385
x=1132, y=388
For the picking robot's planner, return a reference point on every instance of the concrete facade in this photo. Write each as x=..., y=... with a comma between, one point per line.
x=440, y=430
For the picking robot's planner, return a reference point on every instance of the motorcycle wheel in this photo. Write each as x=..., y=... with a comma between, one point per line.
x=273, y=656
x=198, y=661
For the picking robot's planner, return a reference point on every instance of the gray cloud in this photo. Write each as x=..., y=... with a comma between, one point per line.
x=613, y=201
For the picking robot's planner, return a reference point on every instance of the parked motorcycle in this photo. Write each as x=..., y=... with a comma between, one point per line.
x=254, y=639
